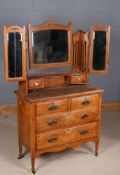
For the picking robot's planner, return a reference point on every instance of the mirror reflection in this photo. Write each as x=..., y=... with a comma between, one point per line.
x=15, y=54
x=99, y=52
x=50, y=46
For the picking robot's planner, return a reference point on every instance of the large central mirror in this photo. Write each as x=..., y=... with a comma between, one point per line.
x=50, y=45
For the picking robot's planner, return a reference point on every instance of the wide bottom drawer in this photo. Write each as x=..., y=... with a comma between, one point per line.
x=68, y=135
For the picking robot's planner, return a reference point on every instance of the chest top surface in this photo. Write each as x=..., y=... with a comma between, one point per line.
x=59, y=92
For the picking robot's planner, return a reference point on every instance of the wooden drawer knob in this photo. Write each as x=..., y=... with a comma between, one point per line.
x=36, y=84
x=52, y=123
x=85, y=102
x=84, y=116
x=52, y=107
x=52, y=139
x=69, y=130
x=84, y=132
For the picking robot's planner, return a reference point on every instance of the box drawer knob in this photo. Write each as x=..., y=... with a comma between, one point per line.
x=52, y=122
x=52, y=139
x=52, y=107
x=69, y=130
x=84, y=132
x=36, y=83
x=84, y=116
x=85, y=102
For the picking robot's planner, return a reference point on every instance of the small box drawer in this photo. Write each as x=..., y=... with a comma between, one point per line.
x=64, y=120
x=78, y=79
x=50, y=107
x=36, y=83
x=84, y=101
x=64, y=136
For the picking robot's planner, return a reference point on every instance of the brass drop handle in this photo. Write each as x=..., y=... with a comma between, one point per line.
x=85, y=102
x=84, y=116
x=84, y=132
x=52, y=122
x=52, y=139
x=52, y=107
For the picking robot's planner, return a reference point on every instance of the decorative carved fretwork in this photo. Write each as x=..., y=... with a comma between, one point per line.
x=52, y=25
x=80, y=50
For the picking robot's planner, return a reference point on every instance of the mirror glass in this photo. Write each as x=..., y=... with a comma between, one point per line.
x=15, y=54
x=99, y=50
x=49, y=46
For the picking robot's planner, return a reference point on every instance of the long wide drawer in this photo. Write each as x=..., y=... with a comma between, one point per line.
x=49, y=107
x=64, y=136
x=64, y=120
x=84, y=101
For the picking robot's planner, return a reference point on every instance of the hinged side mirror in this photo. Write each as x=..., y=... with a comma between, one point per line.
x=14, y=53
x=99, y=49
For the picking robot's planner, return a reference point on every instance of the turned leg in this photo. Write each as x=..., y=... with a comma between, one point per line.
x=96, y=148
x=33, y=165
x=20, y=152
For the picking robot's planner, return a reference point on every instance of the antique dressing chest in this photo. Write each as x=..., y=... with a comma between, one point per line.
x=56, y=110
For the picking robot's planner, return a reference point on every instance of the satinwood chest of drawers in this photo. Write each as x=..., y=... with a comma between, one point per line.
x=56, y=108
x=55, y=119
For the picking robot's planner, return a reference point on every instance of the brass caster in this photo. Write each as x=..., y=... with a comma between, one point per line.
x=33, y=171
x=96, y=153
x=20, y=156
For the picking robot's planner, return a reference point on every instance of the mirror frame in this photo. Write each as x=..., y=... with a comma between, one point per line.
x=6, y=31
x=92, y=35
x=50, y=25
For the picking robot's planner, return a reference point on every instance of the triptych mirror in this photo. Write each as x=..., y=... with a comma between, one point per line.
x=51, y=45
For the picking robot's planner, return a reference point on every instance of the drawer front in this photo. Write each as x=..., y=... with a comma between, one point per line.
x=63, y=120
x=84, y=101
x=36, y=83
x=50, y=107
x=77, y=79
x=64, y=136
